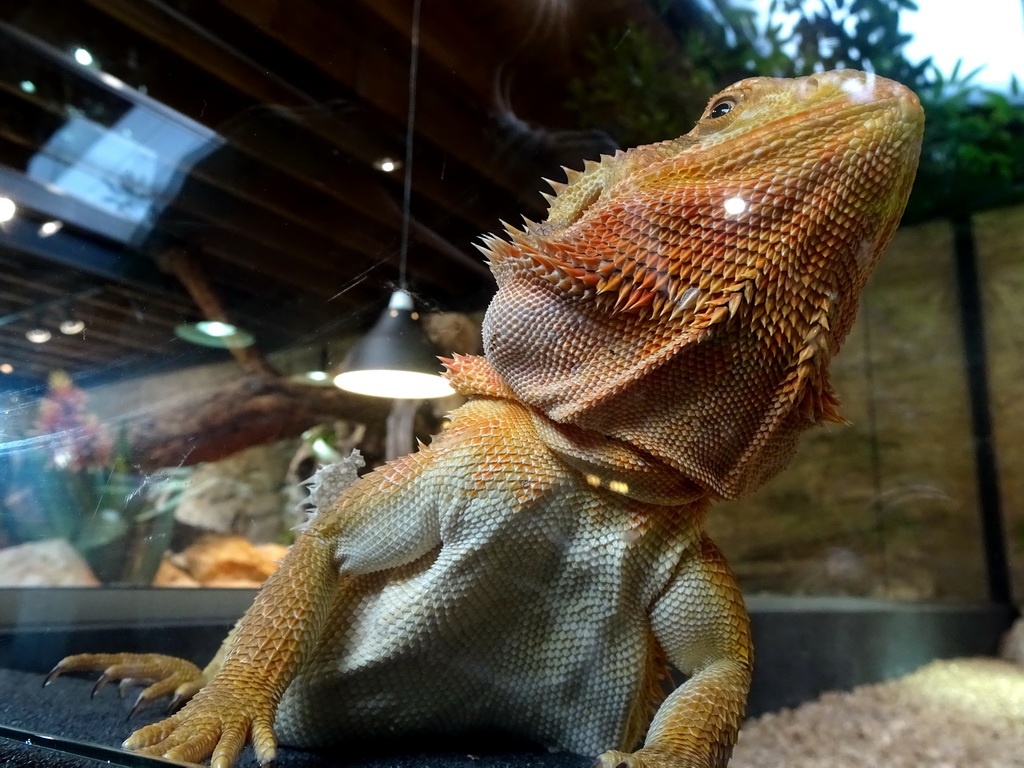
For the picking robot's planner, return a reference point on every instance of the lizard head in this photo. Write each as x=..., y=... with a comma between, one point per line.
x=686, y=297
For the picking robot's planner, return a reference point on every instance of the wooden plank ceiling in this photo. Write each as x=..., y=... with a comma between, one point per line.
x=289, y=217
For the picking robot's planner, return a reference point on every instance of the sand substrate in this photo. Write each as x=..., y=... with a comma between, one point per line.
x=967, y=713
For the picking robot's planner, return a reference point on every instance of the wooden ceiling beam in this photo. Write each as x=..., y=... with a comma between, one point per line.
x=474, y=61
x=318, y=280
x=364, y=194
x=134, y=298
x=103, y=320
x=96, y=333
x=257, y=81
x=352, y=184
x=48, y=290
x=78, y=253
x=26, y=363
x=192, y=276
x=543, y=35
x=15, y=339
x=236, y=203
x=110, y=311
x=244, y=214
x=376, y=71
x=208, y=208
x=14, y=141
x=259, y=242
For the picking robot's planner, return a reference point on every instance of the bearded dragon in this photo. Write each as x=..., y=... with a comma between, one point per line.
x=659, y=341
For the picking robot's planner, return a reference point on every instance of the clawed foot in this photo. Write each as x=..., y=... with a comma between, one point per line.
x=613, y=759
x=648, y=758
x=165, y=675
x=216, y=722
x=214, y=725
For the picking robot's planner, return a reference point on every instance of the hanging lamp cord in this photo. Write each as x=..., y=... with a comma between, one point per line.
x=414, y=53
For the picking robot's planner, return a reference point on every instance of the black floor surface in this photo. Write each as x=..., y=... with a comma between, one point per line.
x=65, y=710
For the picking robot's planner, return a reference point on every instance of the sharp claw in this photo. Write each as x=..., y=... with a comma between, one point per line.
x=140, y=704
x=175, y=703
x=100, y=684
x=123, y=686
x=53, y=675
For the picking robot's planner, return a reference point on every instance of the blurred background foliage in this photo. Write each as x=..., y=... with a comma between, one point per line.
x=647, y=87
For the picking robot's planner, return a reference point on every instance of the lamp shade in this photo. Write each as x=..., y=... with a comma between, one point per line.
x=395, y=359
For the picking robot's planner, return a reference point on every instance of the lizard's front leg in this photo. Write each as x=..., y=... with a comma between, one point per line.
x=703, y=627
x=269, y=643
x=384, y=520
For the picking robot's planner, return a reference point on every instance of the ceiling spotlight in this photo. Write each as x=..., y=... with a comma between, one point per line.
x=71, y=325
x=7, y=209
x=387, y=164
x=82, y=56
x=214, y=333
x=38, y=335
x=27, y=86
x=6, y=368
x=48, y=228
x=216, y=328
x=318, y=375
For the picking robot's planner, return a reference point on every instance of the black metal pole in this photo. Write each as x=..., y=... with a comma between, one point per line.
x=973, y=333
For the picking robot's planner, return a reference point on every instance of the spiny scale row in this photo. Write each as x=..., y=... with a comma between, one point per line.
x=572, y=176
x=665, y=286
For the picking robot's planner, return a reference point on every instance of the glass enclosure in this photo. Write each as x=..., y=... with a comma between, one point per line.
x=166, y=166
x=206, y=206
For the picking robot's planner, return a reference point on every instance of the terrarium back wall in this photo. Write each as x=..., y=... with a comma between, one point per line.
x=886, y=506
x=999, y=236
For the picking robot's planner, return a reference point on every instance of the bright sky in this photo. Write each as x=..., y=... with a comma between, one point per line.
x=981, y=32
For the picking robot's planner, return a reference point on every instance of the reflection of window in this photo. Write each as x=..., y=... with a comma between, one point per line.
x=129, y=171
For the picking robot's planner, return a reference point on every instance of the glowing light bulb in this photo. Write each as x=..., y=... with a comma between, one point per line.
x=27, y=86
x=6, y=368
x=38, y=335
x=83, y=57
x=48, y=228
x=387, y=165
x=394, y=384
x=216, y=328
x=7, y=209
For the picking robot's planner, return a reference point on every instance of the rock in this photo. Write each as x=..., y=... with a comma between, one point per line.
x=243, y=494
x=228, y=561
x=48, y=563
x=170, y=575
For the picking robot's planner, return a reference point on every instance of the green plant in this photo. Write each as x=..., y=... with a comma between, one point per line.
x=646, y=86
x=73, y=481
x=973, y=153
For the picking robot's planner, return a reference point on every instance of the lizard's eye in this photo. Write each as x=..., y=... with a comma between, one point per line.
x=721, y=107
